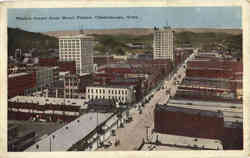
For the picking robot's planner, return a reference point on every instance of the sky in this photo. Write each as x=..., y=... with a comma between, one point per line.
x=147, y=17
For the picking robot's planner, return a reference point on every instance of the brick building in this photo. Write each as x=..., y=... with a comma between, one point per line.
x=67, y=66
x=21, y=84
x=48, y=62
x=233, y=135
x=188, y=122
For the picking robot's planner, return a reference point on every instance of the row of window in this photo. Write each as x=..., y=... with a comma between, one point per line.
x=102, y=91
x=122, y=99
x=73, y=55
x=70, y=49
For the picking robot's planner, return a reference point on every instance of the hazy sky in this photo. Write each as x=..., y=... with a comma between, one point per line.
x=194, y=17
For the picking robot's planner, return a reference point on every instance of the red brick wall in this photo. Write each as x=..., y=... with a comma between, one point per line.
x=48, y=61
x=17, y=85
x=178, y=123
x=209, y=73
x=67, y=66
x=233, y=138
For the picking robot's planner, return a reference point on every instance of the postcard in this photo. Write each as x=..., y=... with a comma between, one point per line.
x=136, y=78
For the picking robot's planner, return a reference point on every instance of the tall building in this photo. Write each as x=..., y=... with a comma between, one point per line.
x=163, y=47
x=77, y=48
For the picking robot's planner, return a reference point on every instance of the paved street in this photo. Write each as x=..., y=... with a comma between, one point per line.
x=133, y=133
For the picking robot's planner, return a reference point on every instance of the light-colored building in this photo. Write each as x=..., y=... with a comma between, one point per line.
x=163, y=43
x=71, y=85
x=77, y=48
x=120, y=93
x=44, y=77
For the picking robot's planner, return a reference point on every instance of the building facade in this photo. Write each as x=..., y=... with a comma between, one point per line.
x=188, y=122
x=122, y=94
x=21, y=84
x=45, y=77
x=163, y=43
x=71, y=85
x=79, y=49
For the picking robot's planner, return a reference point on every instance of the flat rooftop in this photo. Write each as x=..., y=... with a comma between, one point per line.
x=110, y=86
x=205, y=68
x=120, y=66
x=102, y=102
x=153, y=147
x=177, y=141
x=229, y=124
x=206, y=79
x=49, y=100
x=201, y=112
x=17, y=74
x=71, y=133
x=232, y=112
x=205, y=103
x=206, y=83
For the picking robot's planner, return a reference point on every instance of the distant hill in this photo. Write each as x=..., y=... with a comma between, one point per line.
x=115, y=40
x=18, y=38
x=141, y=31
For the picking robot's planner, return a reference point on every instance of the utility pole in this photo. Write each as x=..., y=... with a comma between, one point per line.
x=97, y=128
x=50, y=144
x=147, y=135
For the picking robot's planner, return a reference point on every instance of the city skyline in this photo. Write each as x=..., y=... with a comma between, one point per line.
x=160, y=88
x=176, y=17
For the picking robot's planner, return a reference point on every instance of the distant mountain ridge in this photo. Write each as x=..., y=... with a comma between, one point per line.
x=18, y=38
x=141, y=31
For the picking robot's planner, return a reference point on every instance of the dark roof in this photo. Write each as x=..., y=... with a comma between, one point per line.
x=189, y=111
x=124, y=80
x=228, y=124
x=102, y=102
x=110, y=86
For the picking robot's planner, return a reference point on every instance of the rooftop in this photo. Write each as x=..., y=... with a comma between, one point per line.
x=65, y=137
x=49, y=100
x=229, y=124
x=177, y=141
x=153, y=147
x=110, y=86
x=203, y=103
x=17, y=74
x=222, y=84
x=120, y=65
x=189, y=111
x=206, y=79
x=102, y=102
x=232, y=112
